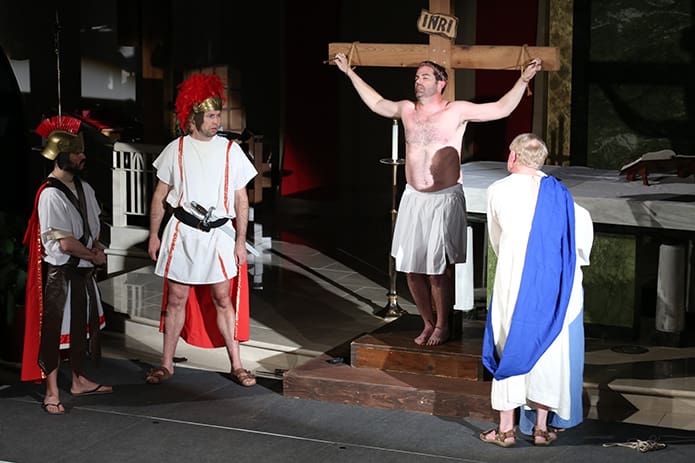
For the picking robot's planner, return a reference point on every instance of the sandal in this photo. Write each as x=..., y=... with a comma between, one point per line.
x=243, y=377
x=157, y=375
x=59, y=410
x=500, y=437
x=546, y=435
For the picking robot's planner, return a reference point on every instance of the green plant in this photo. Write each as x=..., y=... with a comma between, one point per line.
x=13, y=265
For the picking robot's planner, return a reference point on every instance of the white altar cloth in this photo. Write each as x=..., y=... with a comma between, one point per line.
x=668, y=203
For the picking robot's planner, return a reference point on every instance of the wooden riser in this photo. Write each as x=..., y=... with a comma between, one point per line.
x=392, y=348
x=367, y=355
x=388, y=370
x=341, y=383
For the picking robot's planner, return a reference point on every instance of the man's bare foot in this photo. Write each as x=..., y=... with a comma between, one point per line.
x=51, y=405
x=425, y=335
x=439, y=336
x=83, y=386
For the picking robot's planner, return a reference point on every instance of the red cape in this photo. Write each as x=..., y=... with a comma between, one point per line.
x=33, y=304
x=200, y=328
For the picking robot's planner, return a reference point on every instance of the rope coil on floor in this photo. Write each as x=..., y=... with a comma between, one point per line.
x=641, y=445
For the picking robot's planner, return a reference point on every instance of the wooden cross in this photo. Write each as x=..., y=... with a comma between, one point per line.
x=443, y=52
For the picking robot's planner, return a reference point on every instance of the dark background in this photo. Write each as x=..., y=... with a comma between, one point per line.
x=632, y=91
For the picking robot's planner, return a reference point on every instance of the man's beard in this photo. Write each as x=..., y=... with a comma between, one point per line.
x=209, y=133
x=75, y=169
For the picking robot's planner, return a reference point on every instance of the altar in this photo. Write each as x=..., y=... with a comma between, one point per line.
x=624, y=213
x=667, y=204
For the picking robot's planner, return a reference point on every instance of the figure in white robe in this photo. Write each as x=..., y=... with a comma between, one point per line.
x=512, y=200
x=203, y=177
x=63, y=309
x=534, y=341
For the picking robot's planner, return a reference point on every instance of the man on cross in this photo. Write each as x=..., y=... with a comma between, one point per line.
x=429, y=234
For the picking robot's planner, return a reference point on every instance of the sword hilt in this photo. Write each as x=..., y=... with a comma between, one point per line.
x=208, y=215
x=200, y=209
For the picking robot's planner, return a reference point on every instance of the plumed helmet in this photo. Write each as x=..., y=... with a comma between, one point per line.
x=197, y=94
x=60, y=141
x=61, y=133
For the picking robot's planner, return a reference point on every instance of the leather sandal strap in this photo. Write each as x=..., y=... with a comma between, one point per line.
x=499, y=435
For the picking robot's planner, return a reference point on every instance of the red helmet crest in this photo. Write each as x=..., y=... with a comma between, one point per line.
x=198, y=93
x=61, y=134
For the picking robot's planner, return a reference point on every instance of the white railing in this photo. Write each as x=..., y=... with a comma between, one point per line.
x=133, y=180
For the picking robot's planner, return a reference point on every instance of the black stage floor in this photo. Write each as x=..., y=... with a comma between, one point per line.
x=202, y=416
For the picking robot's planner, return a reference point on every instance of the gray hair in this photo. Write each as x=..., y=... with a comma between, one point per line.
x=530, y=149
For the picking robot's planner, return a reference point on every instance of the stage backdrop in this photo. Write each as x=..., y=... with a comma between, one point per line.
x=326, y=146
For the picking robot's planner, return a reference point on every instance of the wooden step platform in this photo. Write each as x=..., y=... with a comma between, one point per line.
x=386, y=369
x=392, y=348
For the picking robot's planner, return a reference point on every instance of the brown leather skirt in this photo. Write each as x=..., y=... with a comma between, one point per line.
x=80, y=284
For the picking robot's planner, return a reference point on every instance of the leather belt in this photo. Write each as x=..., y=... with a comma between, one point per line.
x=193, y=221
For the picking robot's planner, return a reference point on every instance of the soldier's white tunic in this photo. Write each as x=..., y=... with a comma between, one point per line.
x=204, y=174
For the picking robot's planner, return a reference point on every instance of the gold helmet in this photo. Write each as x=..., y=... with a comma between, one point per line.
x=61, y=133
x=60, y=141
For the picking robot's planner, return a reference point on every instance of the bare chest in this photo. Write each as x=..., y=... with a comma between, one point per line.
x=430, y=128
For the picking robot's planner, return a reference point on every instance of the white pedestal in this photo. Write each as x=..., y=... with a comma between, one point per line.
x=464, y=284
x=670, y=289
